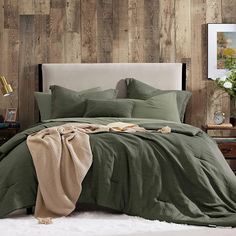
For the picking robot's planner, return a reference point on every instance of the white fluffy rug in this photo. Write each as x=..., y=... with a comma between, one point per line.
x=101, y=224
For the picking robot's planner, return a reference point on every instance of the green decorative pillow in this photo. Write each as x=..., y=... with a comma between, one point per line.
x=44, y=104
x=139, y=90
x=109, y=108
x=163, y=107
x=43, y=100
x=69, y=103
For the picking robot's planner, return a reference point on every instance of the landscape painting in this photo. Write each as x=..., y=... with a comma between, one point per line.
x=226, y=49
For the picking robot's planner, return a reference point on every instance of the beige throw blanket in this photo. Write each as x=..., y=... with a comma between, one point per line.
x=62, y=156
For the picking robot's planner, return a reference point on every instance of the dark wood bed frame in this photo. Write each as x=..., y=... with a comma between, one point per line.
x=40, y=76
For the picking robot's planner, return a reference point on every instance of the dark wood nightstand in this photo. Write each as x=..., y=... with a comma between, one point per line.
x=7, y=133
x=227, y=144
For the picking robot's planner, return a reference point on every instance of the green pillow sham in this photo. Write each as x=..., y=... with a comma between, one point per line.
x=44, y=99
x=109, y=108
x=68, y=103
x=44, y=104
x=163, y=107
x=139, y=90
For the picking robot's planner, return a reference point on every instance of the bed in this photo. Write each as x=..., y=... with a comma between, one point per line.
x=178, y=177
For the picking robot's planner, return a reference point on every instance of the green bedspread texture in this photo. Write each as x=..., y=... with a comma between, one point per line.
x=179, y=177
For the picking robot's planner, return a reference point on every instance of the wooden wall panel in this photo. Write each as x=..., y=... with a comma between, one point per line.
x=73, y=16
x=31, y=7
x=183, y=41
x=26, y=7
x=198, y=55
x=58, y=3
x=167, y=31
x=120, y=44
x=56, y=38
x=72, y=42
x=182, y=30
x=11, y=15
x=104, y=31
x=26, y=71
x=1, y=43
x=151, y=50
x=136, y=30
x=88, y=31
x=228, y=11
x=85, y=31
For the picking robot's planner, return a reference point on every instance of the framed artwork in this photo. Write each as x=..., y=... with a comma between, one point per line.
x=221, y=49
x=10, y=115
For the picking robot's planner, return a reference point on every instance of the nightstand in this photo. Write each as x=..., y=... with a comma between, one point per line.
x=7, y=133
x=227, y=144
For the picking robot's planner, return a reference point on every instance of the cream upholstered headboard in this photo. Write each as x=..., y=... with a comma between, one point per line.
x=111, y=75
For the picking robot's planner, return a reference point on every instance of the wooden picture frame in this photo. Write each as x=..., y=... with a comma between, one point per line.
x=216, y=64
x=10, y=115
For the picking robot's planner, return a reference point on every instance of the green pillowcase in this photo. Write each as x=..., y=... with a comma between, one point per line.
x=163, y=107
x=69, y=103
x=44, y=104
x=109, y=108
x=139, y=90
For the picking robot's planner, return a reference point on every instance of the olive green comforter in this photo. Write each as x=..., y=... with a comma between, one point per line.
x=179, y=177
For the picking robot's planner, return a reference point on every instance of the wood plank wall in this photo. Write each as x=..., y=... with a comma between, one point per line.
x=79, y=31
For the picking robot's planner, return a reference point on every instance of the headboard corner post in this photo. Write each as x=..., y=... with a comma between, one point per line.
x=40, y=74
x=184, y=78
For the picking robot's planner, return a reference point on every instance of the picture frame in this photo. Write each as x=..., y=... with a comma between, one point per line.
x=10, y=115
x=221, y=47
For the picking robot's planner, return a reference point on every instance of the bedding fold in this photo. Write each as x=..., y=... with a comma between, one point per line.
x=62, y=156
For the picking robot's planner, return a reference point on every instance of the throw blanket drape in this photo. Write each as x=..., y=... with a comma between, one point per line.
x=62, y=156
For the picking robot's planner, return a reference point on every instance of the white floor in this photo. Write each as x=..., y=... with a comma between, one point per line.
x=102, y=224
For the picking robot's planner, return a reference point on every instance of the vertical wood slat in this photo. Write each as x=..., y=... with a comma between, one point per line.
x=11, y=17
x=73, y=16
x=72, y=47
x=33, y=50
x=26, y=7
x=1, y=37
x=182, y=30
x=26, y=71
x=183, y=40
x=40, y=36
x=4, y=101
x=42, y=7
x=12, y=68
x=120, y=31
x=56, y=52
x=151, y=33
x=31, y=7
x=104, y=31
x=58, y=3
x=198, y=80
x=136, y=27
x=228, y=11
x=167, y=30
x=88, y=31
x=72, y=42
